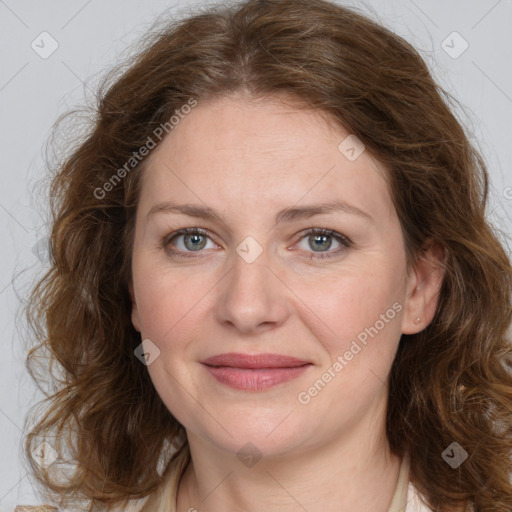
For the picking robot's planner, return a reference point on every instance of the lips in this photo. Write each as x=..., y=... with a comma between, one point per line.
x=254, y=372
x=253, y=361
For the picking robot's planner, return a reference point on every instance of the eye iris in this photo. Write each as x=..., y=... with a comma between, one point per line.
x=197, y=243
x=321, y=239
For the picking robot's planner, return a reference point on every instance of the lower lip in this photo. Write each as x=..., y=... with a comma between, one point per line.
x=254, y=379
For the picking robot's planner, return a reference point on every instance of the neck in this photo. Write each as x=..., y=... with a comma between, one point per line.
x=340, y=476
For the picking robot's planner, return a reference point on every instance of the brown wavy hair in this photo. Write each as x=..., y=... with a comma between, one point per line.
x=451, y=382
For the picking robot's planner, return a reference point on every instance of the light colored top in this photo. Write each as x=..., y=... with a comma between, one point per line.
x=405, y=498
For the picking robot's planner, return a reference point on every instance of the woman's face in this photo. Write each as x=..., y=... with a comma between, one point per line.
x=256, y=281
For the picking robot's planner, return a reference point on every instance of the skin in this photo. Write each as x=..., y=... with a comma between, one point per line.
x=247, y=160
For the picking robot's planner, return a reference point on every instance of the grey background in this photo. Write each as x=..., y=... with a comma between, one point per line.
x=91, y=36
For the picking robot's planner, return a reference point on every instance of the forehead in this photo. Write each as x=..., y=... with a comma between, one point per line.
x=262, y=154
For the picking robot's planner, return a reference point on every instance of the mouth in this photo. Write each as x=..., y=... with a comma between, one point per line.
x=254, y=372
x=255, y=361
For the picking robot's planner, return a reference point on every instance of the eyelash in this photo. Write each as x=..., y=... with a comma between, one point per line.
x=343, y=240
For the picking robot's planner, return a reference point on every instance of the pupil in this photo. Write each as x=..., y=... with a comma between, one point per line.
x=321, y=238
x=196, y=241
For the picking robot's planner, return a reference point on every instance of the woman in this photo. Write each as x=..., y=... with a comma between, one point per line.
x=338, y=340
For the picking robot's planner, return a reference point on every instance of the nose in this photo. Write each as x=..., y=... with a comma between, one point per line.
x=252, y=297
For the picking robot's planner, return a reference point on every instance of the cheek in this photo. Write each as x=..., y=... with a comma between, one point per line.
x=342, y=306
x=356, y=319
x=166, y=298
x=171, y=311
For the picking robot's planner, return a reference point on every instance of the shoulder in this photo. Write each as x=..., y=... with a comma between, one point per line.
x=35, y=508
x=131, y=506
x=414, y=503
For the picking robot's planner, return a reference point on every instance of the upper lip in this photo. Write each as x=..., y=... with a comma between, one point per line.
x=237, y=360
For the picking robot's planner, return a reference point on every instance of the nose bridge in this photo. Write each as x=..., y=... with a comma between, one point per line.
x=250, y=279
x=251, y=295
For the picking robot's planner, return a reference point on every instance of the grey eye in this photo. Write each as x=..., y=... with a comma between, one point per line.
x=194, y=241
x=321, y=242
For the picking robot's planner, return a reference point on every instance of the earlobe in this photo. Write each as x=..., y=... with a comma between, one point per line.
x=423, y=289
x=135, y=311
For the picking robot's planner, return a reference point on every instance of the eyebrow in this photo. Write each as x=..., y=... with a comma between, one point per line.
x=290, y=214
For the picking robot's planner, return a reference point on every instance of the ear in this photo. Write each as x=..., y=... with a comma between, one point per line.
x=423, y=287
x=135, y=311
